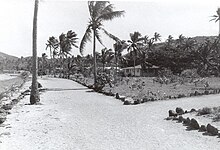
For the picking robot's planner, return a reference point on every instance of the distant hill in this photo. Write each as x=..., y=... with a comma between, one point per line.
x=4, y=56
x=201, y=39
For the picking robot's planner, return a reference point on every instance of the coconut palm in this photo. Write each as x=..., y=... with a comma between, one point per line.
x=34, y=97
x=53, y=45
x=119, y=46
x=66, y=41
x=216, y=18
x=157, y=37
x=135, y=43
x=106, y=56
x=100, y=11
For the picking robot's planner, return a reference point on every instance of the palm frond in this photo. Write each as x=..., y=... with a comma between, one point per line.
x=110, y=35
x=111, y=15
x=98, y=37
x=214, y=17
x=87, y=37
x=91, y=8
x=107, y=9
x=98, y=7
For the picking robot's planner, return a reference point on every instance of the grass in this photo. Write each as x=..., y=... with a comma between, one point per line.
x=7, y=86
x=213, y=113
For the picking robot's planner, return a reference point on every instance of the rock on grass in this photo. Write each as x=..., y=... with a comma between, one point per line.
x=202, y=128
x=127, y=102
x=179, y=111
x=172, y=113
x=212, y=130
x=194, y=124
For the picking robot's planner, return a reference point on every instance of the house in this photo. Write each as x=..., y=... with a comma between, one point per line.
x=138, y=71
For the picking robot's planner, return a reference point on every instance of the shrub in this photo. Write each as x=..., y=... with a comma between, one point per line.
x=205, y=111
x=102, y=80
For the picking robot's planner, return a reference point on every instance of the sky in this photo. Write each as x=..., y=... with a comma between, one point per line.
x=167, y=17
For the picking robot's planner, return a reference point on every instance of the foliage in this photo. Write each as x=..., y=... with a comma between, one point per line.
x=99, y=11
x=205, y=111
x=102, y=80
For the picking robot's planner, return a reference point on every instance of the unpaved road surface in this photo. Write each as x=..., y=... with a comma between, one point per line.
x=72, y=117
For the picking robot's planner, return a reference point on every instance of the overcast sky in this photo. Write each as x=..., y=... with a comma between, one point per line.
x=167, y=17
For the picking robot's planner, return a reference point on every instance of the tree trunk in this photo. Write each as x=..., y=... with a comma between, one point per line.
x=134, y=63
x=103, y=67
x=116, y=66
x=94, y=55
x=34, y=97
x=219, y=27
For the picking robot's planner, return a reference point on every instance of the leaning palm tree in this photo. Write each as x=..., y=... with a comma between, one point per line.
x=216, y=18
x=100, y=11
x=34, y=97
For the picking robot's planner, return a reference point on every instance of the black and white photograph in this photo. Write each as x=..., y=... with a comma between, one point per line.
x=110, y=75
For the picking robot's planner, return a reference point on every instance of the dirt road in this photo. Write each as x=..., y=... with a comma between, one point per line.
x=74, y=118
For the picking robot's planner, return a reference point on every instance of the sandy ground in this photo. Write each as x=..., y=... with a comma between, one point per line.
x=74, y=118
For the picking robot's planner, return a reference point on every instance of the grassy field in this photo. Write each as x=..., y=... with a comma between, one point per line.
x=145, y=87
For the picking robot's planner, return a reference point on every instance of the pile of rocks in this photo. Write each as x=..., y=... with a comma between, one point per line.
x=192, y=124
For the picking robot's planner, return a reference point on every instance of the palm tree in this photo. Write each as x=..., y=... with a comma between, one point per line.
x=136, y=42
x=216, y=18
x=157, y=37
x=100, y=11
x=53, y=45
x=34, y=97
x=66, y=41
x=119, y=46
x=106, y=56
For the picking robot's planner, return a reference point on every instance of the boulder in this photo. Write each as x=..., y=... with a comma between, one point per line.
x=145, y=99
x=206, y=92
x=137, y=102
x=187, y=121
x=179, y=111
x=127, y=102
x=192, y=110
x=194, y=124
x=172, y=113
x=180, y=119
x=202, y=128
x=117, y=96
x=212, y=130
x=196, y=93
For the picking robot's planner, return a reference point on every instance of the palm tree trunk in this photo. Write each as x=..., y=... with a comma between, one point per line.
x=219, y=27
x=94, y=55
x=34, y=97
x=103, y=67
x=134, y=63
x=116, y=67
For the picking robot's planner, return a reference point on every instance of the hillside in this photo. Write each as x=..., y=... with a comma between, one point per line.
x=4, y=56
